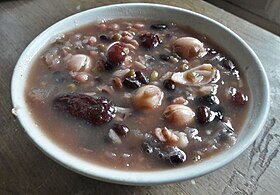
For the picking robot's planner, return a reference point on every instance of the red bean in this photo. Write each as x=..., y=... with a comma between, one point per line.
x=115, y=56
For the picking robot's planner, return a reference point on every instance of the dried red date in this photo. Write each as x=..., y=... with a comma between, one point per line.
x=94, y=110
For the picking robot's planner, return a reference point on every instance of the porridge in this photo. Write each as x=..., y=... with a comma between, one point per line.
x=138, y=94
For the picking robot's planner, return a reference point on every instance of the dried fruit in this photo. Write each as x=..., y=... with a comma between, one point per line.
x=169, y=84
x=150, y=40
x=96, y=110
x=115, y=55
x=239, y=98
x=205, y=115
x=131, y=83
x=121, y=130
x=177, y=156
x=141, y=77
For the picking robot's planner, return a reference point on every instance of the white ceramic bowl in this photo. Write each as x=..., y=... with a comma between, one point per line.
x=233, y=44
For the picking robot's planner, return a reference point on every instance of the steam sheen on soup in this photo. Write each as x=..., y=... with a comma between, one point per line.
x=138, y=94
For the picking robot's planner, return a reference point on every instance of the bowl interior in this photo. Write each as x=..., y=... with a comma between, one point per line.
x=229, y=41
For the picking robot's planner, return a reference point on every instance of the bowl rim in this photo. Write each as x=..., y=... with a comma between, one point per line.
x=122, y=176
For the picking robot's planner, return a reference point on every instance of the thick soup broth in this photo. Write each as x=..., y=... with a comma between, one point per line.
x=138, y=94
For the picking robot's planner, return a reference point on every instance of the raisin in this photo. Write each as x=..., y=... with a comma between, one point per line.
x=205, y=115
x=149, y=40
x=96, y=110
x=159, y=26
x=239, y=99
x=121, y=130
x=131, y=83
x=141, y=77
x=169, y=84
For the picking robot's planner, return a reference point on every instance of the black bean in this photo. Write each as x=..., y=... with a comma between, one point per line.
x=121, y=130
x=159, y=26
x=169, y=84
x=104, y=38
x=131, y=83
x=177, y=157
x=164, y=57
x=141, y=77
x=208, y=100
